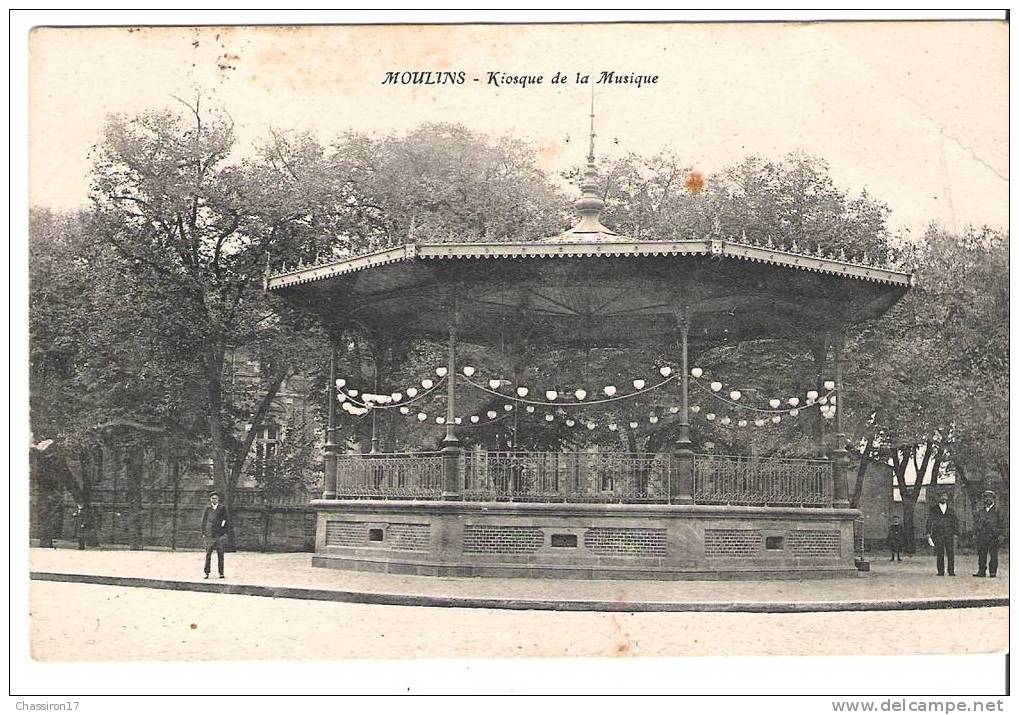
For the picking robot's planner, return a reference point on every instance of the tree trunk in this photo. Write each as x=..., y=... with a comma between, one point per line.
x=241, y=457
x=175, y=476
x=214, y=393
x=133, y=474
x=861, y=471
x=266, y=521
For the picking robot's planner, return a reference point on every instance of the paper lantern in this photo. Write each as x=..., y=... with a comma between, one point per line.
x=612, y=427
x=693, y=408
x=507, y=407
x=549, y=418
x=776, y=419
x=570, y=423
x=812, y=395
x=457, y=420
x=794, y=401
x=774, y=403
x=422, y=416
x=675, y=410
x=475, y=418
x=397, y=396
x=522, y=391
x=742, y=423
x=530, y=408
x=590, y=425
x=427, y=384
x=610, y=390
x=580, y=394
x=710, y=416
x=633, y=425
x=491, y=414
x=495, y=384
x=716, y=386
x=829, y=384
x=638, y=384
x=341, y=397
x=441, y=371
x=383, y=399
x=440, y=420
x=551, y=395
x=696, y=372
x=405, y=410
x=665, y=371
x=793, y=412
x=759, y=422
x=653, y=419
x=831, y=400
x=735, y=395
x=352, y=393
x=468, y=370
x=411, y=391
x=822, y=400
x=725, y=420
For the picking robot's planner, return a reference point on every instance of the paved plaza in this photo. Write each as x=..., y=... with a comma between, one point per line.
x=72, y=621
x=913, y=579
x=83, y=621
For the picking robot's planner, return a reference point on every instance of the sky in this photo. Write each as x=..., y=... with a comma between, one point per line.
x=915, y=113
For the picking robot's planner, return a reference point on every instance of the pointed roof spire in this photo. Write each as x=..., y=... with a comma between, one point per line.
x=589, y=206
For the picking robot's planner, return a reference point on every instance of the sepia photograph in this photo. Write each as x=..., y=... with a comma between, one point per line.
x=420, y=341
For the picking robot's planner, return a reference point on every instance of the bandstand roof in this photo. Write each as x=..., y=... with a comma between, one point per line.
x=599, y=291
x=589, y=285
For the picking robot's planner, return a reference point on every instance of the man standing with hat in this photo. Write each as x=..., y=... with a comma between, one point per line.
x=942, y=528
x=215, y=530
x=987, y=531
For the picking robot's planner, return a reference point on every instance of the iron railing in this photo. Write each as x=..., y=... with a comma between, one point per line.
x=763, y=481
x=587, y=476
x=565, y=476
x=164, y=496
x=388, y=476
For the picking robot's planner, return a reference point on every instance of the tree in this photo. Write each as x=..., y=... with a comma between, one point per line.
x=169, y=203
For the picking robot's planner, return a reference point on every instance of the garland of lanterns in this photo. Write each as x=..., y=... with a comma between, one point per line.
x=774, y=412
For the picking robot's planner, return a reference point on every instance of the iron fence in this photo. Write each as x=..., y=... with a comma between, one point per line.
x=763, y=481
x=404, y=476
x=565, y=476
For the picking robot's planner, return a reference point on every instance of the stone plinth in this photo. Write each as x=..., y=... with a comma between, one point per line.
x=584, y=541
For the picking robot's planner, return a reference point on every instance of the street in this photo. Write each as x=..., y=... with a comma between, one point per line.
x=79, y=622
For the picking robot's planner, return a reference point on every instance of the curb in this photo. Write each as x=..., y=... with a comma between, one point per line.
x=522, y=604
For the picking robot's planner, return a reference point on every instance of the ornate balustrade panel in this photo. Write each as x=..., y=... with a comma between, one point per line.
x=565, y=476
x=764, y=481
x=400, y=476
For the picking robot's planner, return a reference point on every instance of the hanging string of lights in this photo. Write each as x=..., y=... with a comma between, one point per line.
x=552, y=396
x=775, y=410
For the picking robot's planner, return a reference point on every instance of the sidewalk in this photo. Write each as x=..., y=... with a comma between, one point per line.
x=911, y=584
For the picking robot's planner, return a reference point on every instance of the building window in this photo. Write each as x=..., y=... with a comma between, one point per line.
x=266, y=441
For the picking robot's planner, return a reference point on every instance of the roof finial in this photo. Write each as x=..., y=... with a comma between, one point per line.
x=590, y=204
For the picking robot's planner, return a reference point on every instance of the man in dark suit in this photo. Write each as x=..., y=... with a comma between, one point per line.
x=215, y=530
x=82, y=524
x=942, y=528
x=987, y=531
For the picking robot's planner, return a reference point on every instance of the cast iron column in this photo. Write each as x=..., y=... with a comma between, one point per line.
x=329, y=487
x=451, y=445
x=681, y=474
x=839, y=455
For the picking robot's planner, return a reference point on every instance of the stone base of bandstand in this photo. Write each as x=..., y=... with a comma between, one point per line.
x=584, y=541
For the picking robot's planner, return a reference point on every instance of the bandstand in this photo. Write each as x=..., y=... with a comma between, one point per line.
x=679, y=514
